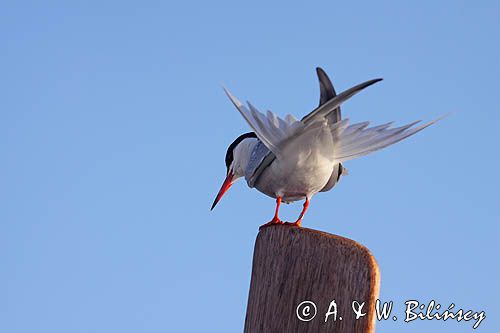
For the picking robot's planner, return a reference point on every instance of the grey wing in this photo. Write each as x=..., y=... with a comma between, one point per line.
x=326, y=109
x=273, y=131
x=260, y=159
x=353, y=141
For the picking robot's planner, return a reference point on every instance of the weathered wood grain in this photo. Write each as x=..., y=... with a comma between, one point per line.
x=291, y=265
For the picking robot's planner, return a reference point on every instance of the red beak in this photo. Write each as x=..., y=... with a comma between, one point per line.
x=225, y=186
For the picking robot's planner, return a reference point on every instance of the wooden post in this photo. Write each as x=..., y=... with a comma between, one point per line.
x=292, y=265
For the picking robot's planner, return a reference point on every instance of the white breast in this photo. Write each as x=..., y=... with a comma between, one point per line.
x=303, y=170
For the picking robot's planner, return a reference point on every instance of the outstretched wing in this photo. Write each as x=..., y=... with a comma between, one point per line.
x=325, y=109
x=274, y=132
x=352, y=141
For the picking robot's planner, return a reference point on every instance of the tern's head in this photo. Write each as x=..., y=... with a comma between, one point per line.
x=237, y=157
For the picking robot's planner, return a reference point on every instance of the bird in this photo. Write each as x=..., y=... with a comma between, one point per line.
x=290, y=160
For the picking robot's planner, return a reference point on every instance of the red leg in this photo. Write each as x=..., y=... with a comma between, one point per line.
x=276, y=219
x=299, y=220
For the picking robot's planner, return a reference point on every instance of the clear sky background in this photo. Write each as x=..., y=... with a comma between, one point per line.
x=114, y=126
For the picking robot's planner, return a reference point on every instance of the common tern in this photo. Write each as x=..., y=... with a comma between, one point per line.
x=290, y=160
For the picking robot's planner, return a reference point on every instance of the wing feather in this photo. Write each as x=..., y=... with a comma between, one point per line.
x=269, y=128
x=325, y=109
x=275, y=132
x=357, y=140
x=347, y=141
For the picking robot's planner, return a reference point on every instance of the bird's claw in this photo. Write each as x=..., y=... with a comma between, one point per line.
x=277, y=221
x=274, y=221
x=298, y=223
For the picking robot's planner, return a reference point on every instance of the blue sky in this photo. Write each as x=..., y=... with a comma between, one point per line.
x=114, y=127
